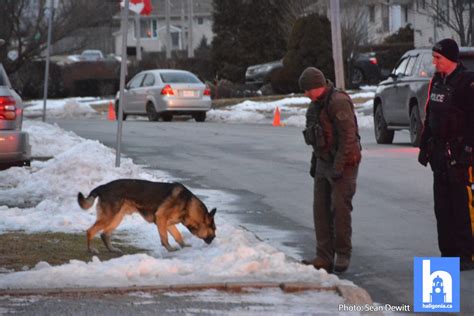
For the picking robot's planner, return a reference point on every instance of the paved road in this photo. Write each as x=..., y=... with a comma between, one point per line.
x=268, y=167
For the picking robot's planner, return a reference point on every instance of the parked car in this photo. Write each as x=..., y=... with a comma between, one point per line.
x=165, y=93
x=258, y=75
x=92, y=55
x=400, y=99
x=363, y=69
x=15, y=148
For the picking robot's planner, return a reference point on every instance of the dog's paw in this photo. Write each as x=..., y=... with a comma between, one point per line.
x=183, y=245
x=170, y=249
x=93, y=251
x=116, y=251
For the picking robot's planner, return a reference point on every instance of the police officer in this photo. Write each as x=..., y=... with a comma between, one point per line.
x=446, y=144
x=331, y=129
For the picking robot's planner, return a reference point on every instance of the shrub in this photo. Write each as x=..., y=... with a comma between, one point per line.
x=309, y=45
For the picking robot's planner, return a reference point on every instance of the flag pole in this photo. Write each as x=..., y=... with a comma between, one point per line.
x=123, y=70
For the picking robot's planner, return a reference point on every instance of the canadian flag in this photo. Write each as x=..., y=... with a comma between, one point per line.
x=142, y=7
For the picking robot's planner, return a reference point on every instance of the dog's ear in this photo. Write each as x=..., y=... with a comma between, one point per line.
x=213, y=212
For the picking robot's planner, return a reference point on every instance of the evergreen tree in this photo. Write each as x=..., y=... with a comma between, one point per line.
x=246, y=32
x=309, y=45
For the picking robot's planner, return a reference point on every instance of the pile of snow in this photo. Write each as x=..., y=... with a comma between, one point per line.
x=80, y=165
x=292, y=109
x=62, y=108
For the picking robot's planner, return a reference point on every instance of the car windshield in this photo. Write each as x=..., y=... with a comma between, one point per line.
x=178, y=77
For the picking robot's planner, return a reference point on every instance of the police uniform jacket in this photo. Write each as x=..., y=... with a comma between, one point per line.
x=449, y=112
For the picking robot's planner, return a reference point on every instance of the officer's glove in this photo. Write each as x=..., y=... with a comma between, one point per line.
x=336, y=175
x=423, y=157
x=465, y=158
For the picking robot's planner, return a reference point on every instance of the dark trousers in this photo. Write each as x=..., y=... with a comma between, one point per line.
x=454, y=210
x=332, y=213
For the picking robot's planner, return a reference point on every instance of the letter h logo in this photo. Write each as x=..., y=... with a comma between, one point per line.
x=436, y=285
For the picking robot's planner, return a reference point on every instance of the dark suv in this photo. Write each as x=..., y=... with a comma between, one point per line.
x=363, y=69
x=400, y=100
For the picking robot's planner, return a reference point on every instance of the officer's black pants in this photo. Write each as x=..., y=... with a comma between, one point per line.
x=454, y=210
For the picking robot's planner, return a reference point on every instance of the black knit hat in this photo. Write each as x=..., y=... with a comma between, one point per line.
x=448, y=48
x=312, y=78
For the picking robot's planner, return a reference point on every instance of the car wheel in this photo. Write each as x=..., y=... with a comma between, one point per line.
x=200, y=117
x=382, y=134
x=357, y=77
x=415, y=126
x=167, y=117
x=124, y=116
x=151, y=112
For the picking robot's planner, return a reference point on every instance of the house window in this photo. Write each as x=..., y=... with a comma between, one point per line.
x=154, y=28
x=148, y=29
x=385, y=18
x=420, y=4
x=175, y=39
x=443, y=10
x=405, y=13
x=200, y=20
x=371, y=13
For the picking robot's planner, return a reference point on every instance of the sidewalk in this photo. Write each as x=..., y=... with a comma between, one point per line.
x=186, y=299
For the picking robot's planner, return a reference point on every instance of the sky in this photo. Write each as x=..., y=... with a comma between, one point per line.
x=47, y=193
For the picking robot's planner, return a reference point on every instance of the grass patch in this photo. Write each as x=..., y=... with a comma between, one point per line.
x=23, y=251
x=361, y=100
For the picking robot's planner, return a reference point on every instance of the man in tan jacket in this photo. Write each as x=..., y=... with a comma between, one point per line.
x=331, y=129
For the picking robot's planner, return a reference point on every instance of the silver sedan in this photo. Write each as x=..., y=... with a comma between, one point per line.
x=15, y=148
x=163, y=93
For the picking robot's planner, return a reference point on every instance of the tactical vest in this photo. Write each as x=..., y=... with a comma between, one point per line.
x=322, y=134
x=445, y=118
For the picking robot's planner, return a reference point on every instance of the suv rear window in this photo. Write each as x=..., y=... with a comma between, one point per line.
x=3, y=81
x=178, y=77
x=468, y=62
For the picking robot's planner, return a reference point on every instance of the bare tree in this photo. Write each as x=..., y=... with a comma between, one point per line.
x=23, y=25
x=353, y=26
x=455, y=14
x=291, y=10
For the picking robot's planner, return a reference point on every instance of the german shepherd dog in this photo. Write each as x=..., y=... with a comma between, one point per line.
x=165, y=204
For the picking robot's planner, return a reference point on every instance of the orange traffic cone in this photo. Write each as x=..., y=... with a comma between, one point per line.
x=111, y=116
x=276, y=117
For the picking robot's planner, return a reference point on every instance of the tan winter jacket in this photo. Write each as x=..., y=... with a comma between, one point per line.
x=335, y=113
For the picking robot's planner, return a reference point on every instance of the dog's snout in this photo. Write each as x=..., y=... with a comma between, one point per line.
x=209, y=239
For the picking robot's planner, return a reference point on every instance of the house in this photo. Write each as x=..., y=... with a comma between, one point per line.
x=376, y=19
x=153, y=27
x=435, y=20
x=387, y=17
x=431, y=20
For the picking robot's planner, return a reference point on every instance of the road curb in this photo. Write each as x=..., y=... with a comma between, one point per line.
x=351, y=294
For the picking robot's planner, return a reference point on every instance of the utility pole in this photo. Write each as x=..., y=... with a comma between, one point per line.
x=470, y=22
x=337, y=44
x=168, y=29
x=123, y=70
x=190, y=28
x=52, y=4
x=183, y=24
x=138, y=36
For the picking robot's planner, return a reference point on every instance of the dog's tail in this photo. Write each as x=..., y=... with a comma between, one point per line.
x=86, y=203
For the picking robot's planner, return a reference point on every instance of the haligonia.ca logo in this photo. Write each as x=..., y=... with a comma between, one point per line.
x=436, y=285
